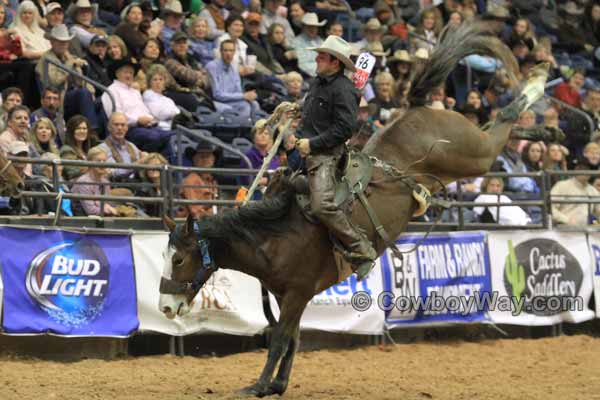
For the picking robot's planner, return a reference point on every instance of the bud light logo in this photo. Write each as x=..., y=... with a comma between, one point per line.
x=70, y=281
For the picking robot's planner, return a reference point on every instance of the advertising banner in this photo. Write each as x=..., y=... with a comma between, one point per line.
x=347, y=307
x=230, y=302
x=445, y=280
x=67, y=283
x=594, y=243
x=540, y=277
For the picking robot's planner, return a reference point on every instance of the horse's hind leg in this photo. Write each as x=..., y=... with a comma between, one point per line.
x=291, y=307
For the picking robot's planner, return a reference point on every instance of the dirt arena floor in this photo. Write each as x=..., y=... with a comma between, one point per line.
x=550, y=368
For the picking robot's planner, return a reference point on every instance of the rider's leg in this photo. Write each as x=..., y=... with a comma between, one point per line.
x=321, y=173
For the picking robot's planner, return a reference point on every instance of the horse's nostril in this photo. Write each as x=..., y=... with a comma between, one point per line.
x=167, y=310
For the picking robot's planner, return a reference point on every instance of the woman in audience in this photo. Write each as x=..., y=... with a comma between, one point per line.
x=117, y=50
x=78, y=141
x=492, y=188
x=385, y=103
x=532, y=156
x=400, y=65
x=429, y=27
x=95, y=183
x=293, y=83
x=474, y=103
x=263, y=141
x=30, y=33
x=522, y=32
x=201, y=47
x=163, y=109
x=43, y=138
x=282, y=52
x=151, y=177
x=152, y=53
x=555, y=160
x=10, y=45
x=131, y=29
x=50, y=204
x=591, y=152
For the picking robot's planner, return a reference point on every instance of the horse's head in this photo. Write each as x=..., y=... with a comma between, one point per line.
x=184, y=272
x=11, y=183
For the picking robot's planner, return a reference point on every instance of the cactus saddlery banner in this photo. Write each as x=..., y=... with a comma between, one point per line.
x=540, y=277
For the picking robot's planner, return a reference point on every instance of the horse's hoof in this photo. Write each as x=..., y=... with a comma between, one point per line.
x=255, y=390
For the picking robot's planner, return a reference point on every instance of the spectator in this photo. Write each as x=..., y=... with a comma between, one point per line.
x=505, y=215
x=234, y=25
x=522, y=32
x=571, y=37
x=575, y=187
x=26, y=25
x=10, y=44
x=200, y=46
x=227, y=85
x=263, y=141
x=512, y=163
x=48, y=204
x=555, y=160
x=551, y=117
x=11, y=97
x=97, y=63
x=307, y=40
x=162, y=108
x=184, y=68
x=143, y=129
x=591, y=105
x=259, y=46
x=591, y=152
x=83, y=13
x=400, y=65
x=591, y=23
x=200, y=186
x=51, y=109
x=293, y=83
x=118, y=149
x=532, y=156
x=95, y=183
x=23, y=205
x=152, y=53
x=173, y=16
x=117, y=50
x=428, y=29
x=78, y=141
x=282, y=52
x=336, y=29
x=384, y=102
x=596, y=182
x=455, y=19
x=130, y=29
x=42, y=139
x=295, y=16
x=17, y=127
x=474, y=101
x=55, y=15
x=271, y=16
x=151, y=179
x=569, y=92
x=216, y=14
x=77, y=97
x=372, y=31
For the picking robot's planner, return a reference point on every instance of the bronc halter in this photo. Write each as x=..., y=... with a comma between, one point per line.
x=170, y=286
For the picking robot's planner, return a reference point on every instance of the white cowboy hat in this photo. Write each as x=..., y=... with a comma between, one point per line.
x=59, y=32
x=339, y=48
x=173, y=7
x=373, y=24
x=571, y=8
x=400, y=56
x=376, y=48
x=74, y=7
x=421, y=54
x=311, y=19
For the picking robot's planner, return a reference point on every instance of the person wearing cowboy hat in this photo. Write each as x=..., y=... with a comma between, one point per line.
x=83, y=14
x=329, y=118
x=372, y=32
x=173, y=15
x=400, y=64
x=309, y=38
x=77, y=96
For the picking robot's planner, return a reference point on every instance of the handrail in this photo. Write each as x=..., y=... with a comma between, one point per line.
x=575, y=110
x=70, y=71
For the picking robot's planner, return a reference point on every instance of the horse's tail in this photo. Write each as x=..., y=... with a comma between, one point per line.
x=454, y=45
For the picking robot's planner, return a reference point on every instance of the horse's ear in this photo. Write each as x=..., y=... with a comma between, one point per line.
x=169, y=223
x=189, y=224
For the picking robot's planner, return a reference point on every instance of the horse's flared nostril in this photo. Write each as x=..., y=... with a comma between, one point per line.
x=167, y=310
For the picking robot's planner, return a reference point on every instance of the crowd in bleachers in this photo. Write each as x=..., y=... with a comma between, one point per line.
x=224, y=65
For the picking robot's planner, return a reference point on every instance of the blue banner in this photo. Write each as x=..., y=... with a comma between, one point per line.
x=446, y=279
x=67, y=283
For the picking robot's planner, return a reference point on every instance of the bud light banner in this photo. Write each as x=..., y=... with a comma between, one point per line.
x=67, y=283
x=446, y=279
x=540, y=277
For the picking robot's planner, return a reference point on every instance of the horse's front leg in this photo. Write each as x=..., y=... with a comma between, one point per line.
x=280, y=383
x=285, y=331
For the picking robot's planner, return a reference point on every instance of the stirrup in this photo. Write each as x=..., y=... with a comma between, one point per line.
x=364, y=270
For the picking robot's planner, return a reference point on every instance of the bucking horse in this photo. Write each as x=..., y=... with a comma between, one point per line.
x=11, y=184
x=292, y=257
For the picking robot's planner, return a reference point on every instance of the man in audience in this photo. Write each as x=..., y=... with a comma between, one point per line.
x=307, y=40
x=97, y=62
x=51, y=109
x=17, y=128
x=591, y=105
x=173, y=16
x=55, y=15
x=575, y=188
x=271, y=16
x=11, y=97
x=570, y=92
x=118, y=149
x=186, y=71
x=227, y=84
x=23, y=205
x=259, y=46
x=216, y=14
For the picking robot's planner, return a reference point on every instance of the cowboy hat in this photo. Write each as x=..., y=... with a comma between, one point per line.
x=400, y=56
x=339, y=48
x=75, y=7
x=571, y=8
x=51, y=7
x=376, y=48
x=59, y=32
x=421, y=54
x=496, y=12
x=173, y=7
x=311, y=19
x=117, y=65
x=373, y=24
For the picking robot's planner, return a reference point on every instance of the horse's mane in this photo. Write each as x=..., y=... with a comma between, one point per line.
x=253, y=221
x=456, y=44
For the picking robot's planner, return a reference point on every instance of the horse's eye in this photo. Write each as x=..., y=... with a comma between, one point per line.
x=177, y=261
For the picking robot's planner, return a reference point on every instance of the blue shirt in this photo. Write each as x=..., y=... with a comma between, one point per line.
x=202, y=50
x=226, y=82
